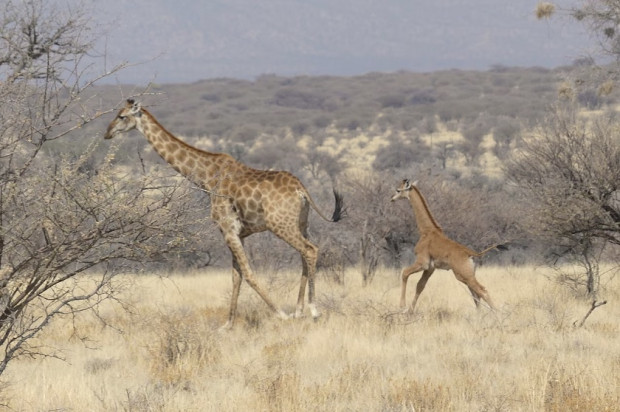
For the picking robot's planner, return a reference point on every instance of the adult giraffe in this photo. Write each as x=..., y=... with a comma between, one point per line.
x=243, y=201
x=436, y=250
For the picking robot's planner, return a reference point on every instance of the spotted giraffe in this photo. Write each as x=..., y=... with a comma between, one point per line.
x=243, y=201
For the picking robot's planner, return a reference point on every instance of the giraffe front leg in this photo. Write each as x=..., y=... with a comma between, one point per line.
x=408, y=271
x=236, y=277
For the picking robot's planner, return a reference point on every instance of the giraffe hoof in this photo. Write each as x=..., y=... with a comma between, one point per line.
x=299, y=313
x=315, y=312
x=283, y=315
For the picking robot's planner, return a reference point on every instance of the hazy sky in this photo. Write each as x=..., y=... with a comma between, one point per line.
x=189, y=40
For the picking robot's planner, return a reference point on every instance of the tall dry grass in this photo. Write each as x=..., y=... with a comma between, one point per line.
x=166, y=353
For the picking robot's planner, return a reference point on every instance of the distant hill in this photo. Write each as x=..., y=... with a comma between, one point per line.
x=377, y=120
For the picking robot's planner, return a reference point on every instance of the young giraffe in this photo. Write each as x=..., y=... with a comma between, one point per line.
x=435, y=250
x=243, y=201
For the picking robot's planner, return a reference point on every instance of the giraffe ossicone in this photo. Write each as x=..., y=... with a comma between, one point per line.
x=244, y=201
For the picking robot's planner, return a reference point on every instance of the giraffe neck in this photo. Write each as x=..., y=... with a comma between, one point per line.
x=199, y=166
x=424, y=219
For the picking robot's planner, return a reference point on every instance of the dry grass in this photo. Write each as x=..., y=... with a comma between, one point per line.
x=167, y=354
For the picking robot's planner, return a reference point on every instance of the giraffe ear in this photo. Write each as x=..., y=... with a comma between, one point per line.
x=415, y=183
x=407, y=184
x=136, y=107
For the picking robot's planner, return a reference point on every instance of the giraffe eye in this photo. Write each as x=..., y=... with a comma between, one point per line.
x=122, y=117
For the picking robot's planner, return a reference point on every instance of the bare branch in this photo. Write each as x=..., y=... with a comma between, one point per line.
x=594, y=305
x=69, y=222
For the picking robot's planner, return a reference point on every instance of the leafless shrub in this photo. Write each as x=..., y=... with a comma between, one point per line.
x=566, y=91
x=570, y=173
x=59, y=216
x=400, y=155
x=606, y=88
x=368, y=255
x=332, y=262
x=180, y=348
x=376, y=230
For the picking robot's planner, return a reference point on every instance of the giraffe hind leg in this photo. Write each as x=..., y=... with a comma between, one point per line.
x=291, y=225
x=309, y=257
x=236, y=247
x=297, y=239
x=309, y=254
x=308, y=279
x=480, y=291
x=475, y=296
x=310, y=266
x=467, y=275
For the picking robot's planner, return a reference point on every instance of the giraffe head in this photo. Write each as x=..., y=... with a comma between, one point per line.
x=125, y=120
x=402, y=191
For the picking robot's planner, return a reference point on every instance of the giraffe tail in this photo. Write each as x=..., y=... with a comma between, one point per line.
x=339, y=210
x=499, y=246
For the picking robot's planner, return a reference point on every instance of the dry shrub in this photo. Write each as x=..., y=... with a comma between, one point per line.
x=280, y=392
x=181, y=347
x=606, y=88
x=606, y=330
x=566, y=92
x=567, y=391
x=253, y=314
x=99, y=365
x=332, y=263
x=544, y=10
x=148, y=399
x=277, y=385
x=552, y=313
x=351, y=387
x=410, y=394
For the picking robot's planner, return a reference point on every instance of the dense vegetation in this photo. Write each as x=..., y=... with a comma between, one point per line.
x=236, y=112
x=450, y=130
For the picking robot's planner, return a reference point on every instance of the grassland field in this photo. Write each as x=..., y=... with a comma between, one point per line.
x=165, y=353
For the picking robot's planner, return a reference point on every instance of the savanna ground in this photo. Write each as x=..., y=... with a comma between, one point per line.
x=166, y=353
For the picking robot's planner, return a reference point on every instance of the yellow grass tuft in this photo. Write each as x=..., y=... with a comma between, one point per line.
x=409, y=394
x=544, y=10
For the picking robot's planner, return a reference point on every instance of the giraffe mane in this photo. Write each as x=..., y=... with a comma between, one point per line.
x=428, y=211
x=154, y=120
